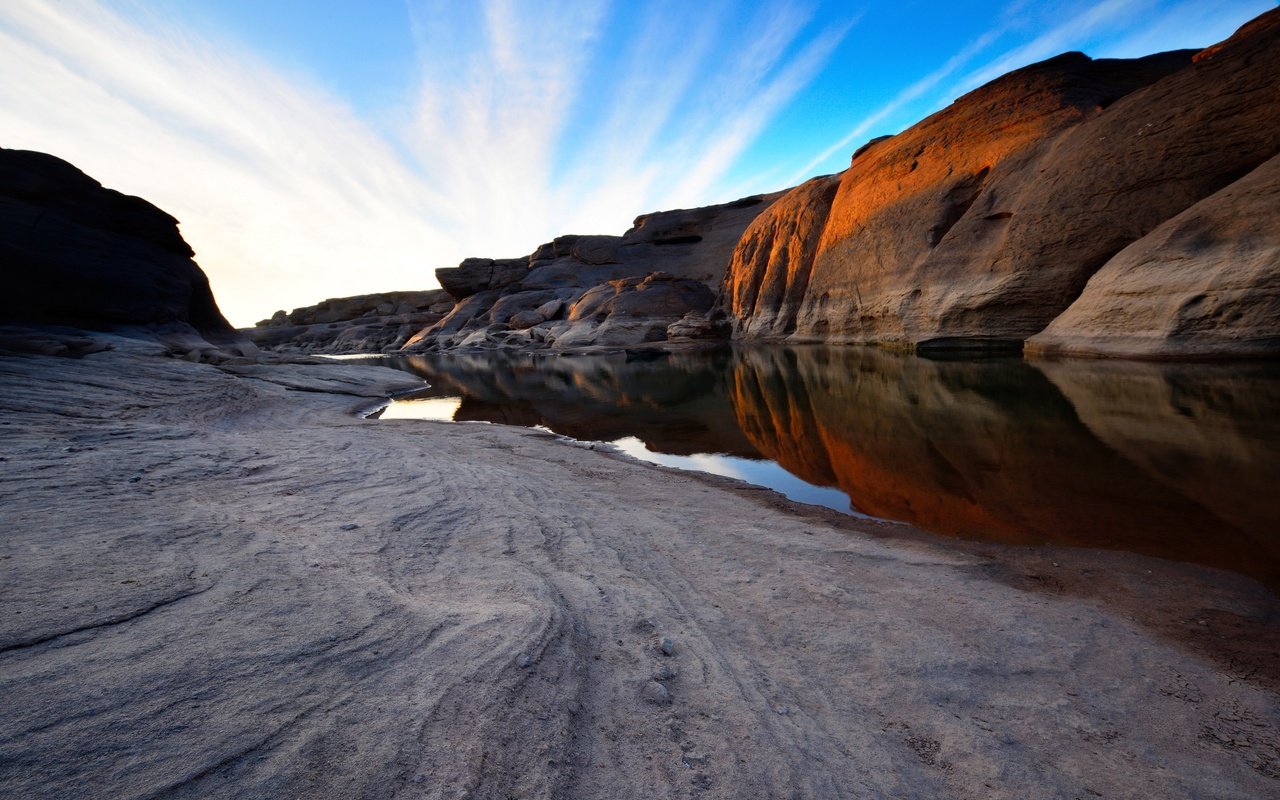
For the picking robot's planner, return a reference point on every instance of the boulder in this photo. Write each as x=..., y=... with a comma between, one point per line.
x=475, y=275
x=632, y=311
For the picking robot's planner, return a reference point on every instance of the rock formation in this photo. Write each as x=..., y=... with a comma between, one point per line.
x=977, y=228
x=581, y=291
x=78, y=255
x=1204, y=283
x=769, y=273
x=369, y=323
x=983, y=223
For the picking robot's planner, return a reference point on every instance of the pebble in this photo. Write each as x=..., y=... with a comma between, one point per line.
x=350, y=526
x=664, y=673
x=656, y=693
x=524, y=661
x=667, y=647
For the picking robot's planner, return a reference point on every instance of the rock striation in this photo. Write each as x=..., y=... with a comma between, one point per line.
x=370, y=323
x=982, y=224
x=78, y=255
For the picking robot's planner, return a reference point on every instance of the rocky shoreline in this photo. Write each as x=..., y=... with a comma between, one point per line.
x=1090, y=207
x=220, y=582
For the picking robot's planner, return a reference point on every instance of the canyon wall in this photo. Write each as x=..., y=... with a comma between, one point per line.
x=982, y=224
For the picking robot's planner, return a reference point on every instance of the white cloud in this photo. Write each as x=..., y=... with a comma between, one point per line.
x=289, y=197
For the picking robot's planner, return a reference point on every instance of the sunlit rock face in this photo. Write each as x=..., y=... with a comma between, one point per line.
x=934, y=233
x=1004, y=451
x=79, y=255
x=765, y=284
x=980, y=225
x=369, y=323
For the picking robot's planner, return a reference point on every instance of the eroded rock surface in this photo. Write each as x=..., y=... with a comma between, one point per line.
x=1205, y=283
x=255, y=594
x=983, y=223
x=662, y=271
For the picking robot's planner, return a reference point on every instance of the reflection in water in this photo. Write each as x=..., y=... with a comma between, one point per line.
x=1177, y=461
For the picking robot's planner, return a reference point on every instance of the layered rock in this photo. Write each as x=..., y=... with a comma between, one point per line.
x=1205, y=283
x=83, y=256
x=370, y=323
x=583, y=291
x=983, y=223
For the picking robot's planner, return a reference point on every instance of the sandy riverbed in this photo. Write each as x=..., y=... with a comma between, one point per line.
x=219, y=582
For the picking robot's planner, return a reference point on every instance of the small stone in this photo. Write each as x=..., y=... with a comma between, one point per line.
x=350, y=526
x=656, y=693
x=524, y=661
x=664, y=673
x=667, y=647
x=135, y=479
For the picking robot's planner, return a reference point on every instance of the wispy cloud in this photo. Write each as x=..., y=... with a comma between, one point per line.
x=938, y=87
x=907, y=96
x=289, y=196
x=281, y=190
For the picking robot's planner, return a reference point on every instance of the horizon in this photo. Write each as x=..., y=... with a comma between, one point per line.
x=315, y=155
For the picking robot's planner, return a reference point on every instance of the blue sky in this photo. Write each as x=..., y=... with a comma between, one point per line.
x=317, y=148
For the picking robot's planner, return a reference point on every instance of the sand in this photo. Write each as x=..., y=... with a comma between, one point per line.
x=221, y=582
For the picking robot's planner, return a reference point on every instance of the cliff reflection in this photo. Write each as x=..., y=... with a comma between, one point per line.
x=1173, y=461
x=676, y=404
x=1167, y=460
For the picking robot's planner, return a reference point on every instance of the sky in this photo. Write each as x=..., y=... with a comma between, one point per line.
x=315, y=149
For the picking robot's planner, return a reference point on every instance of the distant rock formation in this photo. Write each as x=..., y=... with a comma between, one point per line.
x=583, y=291
x=368, y=323
x=81, y=256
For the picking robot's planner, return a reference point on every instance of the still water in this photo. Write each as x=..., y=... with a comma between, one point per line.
x=1171, y=460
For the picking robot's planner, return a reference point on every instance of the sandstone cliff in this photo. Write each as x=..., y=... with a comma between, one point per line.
x=78, y=255
x=983, y=223
x=1206, y=282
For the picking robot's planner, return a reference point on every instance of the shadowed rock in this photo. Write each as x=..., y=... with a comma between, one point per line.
x=662, y=269
x=79, y=255
x=1205, y=283
x=370, y=323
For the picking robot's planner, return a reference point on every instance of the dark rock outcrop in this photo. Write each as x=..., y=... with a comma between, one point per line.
x=81, y=256
x=627, y=289
x=370, y=323
x=983, y=223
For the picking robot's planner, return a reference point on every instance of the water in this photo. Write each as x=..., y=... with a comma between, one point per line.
x=1174, y=461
